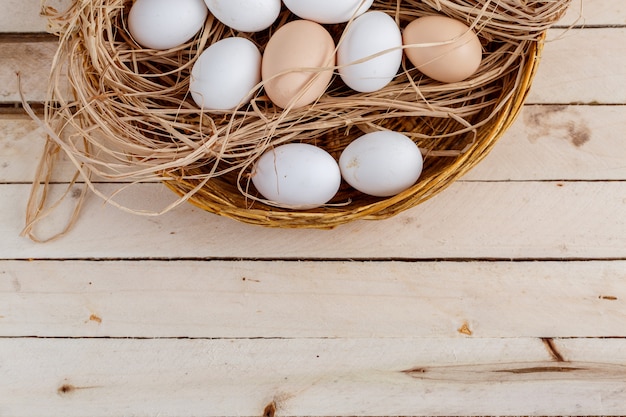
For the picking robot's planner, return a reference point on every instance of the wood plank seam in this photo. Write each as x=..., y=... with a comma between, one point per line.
x=299, y=259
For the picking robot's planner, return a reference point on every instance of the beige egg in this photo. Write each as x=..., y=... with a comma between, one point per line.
x=455, y=60
x=297, y=63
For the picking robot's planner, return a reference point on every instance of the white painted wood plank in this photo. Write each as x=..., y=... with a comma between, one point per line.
x=582, y=66
x=321, y=377
x=468, y=220
x=594, y=13
x=24, y=15
x=32, y=60
x=559, y=143
x=574, y=68
x=545, y=143
x=312, y=299
x=21, y=147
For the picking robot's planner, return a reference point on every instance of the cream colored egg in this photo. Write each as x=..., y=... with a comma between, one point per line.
x=298, y=63
x=457, y=52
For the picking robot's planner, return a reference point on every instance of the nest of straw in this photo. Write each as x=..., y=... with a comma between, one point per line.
x=130, y=117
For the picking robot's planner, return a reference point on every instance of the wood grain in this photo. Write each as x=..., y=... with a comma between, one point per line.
x=559, y=143
x=32, y=60
x=565, y=74
x=591, y=13
x=311, y=377
x=504, y=295
x=501, y=220
x=24, y=15
x=218, y=299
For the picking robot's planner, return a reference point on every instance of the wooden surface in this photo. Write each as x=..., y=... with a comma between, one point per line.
x=504, y=295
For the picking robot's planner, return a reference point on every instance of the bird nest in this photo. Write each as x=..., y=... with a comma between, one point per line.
x=129, y=117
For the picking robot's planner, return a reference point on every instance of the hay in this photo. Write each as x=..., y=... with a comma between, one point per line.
x=132, y=120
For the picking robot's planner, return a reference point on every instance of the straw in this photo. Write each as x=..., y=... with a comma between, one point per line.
x=130, y=119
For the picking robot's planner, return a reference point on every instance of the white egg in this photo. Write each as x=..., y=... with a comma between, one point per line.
x=381, y=164
x=225, y=74
x=245, y=15
x=297, y=176
x=165, y=24
x=328, y=11
x=368, y=35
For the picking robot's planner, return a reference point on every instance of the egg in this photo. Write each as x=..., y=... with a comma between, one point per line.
x=328, y=11
x=245, y=15
x=298, y=63
x=368, y=35
x=165, y=24
x=381, y=164
x=297, y=175
x=225, y=74
x=455, y=60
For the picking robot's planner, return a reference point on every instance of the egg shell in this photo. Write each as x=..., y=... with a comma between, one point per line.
x=451, y=62
x=328, y=11
x=298, y=63
x=225, y=74
x=166, y=24
x=370, y=34
x=381, y=164
x=297, y=175
x=245, y=15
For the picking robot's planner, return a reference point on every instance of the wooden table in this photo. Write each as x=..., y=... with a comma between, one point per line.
x=505, y=294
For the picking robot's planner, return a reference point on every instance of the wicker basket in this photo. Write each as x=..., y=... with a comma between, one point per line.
x=457, y=147
x=439, y=172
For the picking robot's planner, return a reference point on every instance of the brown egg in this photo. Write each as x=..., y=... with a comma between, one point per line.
x=448, y=63
x=307, y=52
